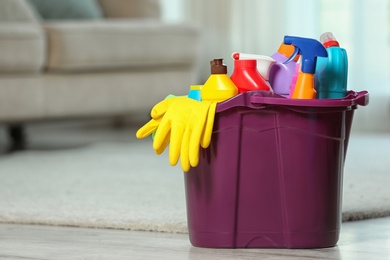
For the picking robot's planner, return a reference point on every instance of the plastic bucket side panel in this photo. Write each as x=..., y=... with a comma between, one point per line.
x=260, y=218
x=312, y=156
x=211, y=187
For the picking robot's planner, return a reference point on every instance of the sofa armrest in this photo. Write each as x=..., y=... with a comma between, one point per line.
x=17, y=11
x=131, y=8
x=22, y=47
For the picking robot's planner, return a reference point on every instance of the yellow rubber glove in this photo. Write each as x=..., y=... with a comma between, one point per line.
x=156, y=113
x=185, y=123
x=148, y=129
x=198, y=132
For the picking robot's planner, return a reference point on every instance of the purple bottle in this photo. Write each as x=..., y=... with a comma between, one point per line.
x=281, y=74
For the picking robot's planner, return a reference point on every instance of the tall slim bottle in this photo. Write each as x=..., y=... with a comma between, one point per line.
x=332, y=72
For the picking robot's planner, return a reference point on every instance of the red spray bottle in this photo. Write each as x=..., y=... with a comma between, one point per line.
x=246, y=76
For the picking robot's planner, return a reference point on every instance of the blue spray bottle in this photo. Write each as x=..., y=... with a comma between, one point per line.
x=332, y=72
x=309, y=49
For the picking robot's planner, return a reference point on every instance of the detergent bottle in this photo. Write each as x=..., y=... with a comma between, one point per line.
x=218, y=86
x=332, y=72
x=309, y=49
x=246, y=76
x=281, y=73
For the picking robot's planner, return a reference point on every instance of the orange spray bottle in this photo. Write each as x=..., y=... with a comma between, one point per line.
x=309, y=49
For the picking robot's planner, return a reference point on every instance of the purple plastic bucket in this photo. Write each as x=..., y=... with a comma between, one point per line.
x=272, y=176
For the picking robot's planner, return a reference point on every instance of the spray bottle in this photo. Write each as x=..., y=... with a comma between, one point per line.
x=264, y=63
x=281, y=73
x=332, y=72
x=218, y=86
x=309, y=49
x=246, y=76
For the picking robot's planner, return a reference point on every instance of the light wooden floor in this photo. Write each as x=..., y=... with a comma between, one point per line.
x=368, y=240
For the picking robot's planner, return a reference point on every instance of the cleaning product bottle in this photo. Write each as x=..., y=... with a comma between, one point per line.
x=264, y=63
x=281, y=74
x=246, y=76
x=218, y=86
x=309, y=49
x=332, y=72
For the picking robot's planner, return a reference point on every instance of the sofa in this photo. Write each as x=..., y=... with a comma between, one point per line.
x=99, y=58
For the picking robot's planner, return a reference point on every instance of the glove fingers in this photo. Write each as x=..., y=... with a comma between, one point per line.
x=177, y=132
x=196, y=136
x=194, y=149
x=148, y=128
x=164, y=145
x=160, y=108
x=184, y=150
x=208, y=129
x=162, y=132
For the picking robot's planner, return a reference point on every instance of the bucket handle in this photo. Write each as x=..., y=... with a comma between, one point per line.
x=361, y=98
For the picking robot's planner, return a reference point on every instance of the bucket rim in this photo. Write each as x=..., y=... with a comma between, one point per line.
x=259, y=99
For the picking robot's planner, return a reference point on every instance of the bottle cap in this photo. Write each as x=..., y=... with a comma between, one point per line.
x=217, y=66
x=328, y=40
x=287, y=51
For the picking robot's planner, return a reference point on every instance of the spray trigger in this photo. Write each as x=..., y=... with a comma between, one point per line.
x=295, y=53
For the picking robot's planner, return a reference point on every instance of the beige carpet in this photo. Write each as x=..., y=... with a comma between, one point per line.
x=105, y=178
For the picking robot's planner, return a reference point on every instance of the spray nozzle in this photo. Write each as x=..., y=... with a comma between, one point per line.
x=292, y=57
x=309, y=49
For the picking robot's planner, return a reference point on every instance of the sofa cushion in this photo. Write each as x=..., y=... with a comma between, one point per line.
x=22, y=47
x=117, y=44
x=67, y=9
x=130, y=8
